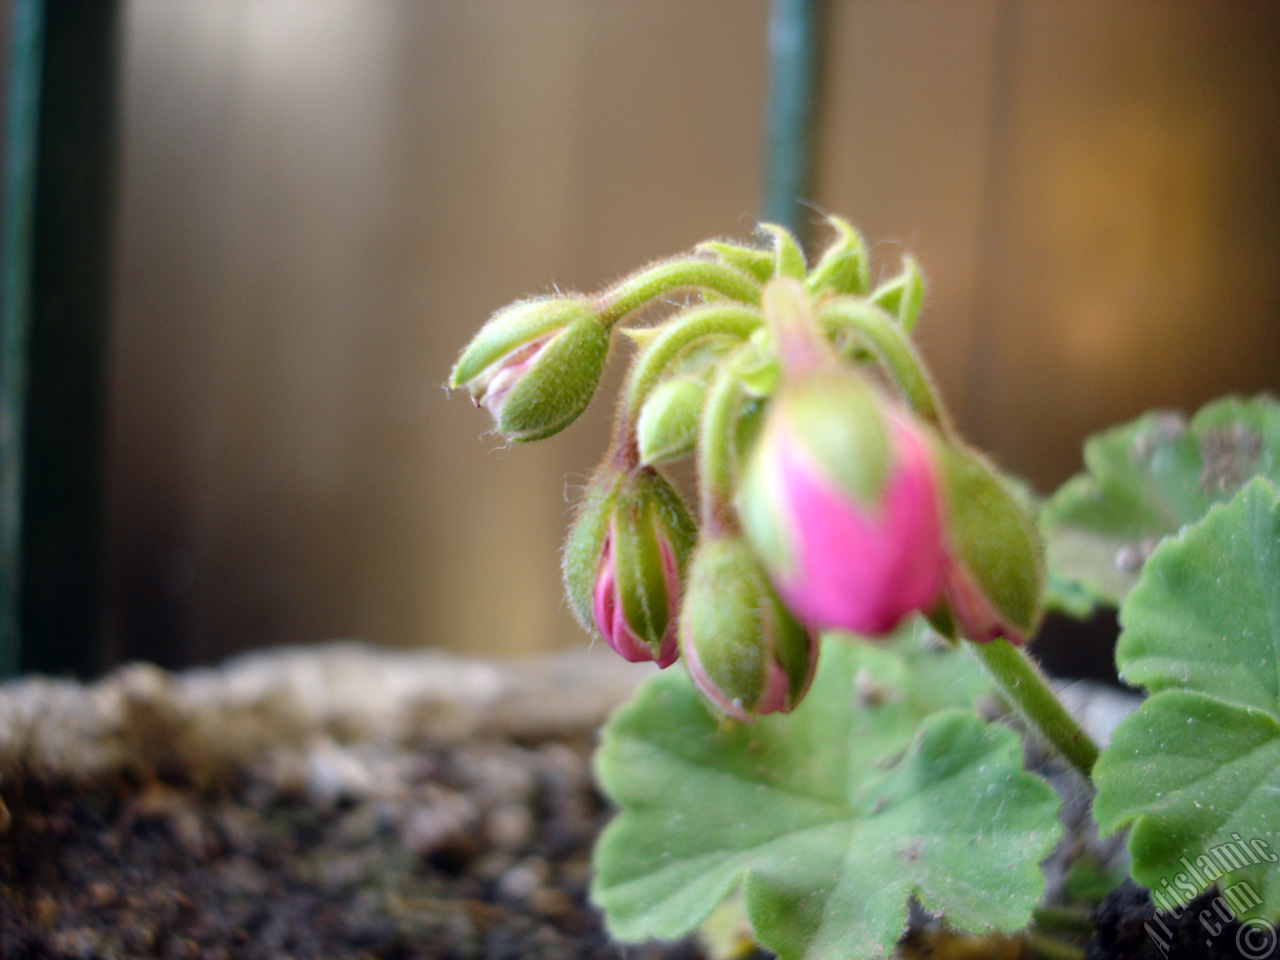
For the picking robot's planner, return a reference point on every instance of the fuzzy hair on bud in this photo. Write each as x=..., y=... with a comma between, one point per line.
x=624, y=561
x=535, y=366
x=745, y=653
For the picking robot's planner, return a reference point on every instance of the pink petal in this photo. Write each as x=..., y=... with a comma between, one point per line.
x=974, y=615
x=858, y=569
x=509, y=371
x=612, y=623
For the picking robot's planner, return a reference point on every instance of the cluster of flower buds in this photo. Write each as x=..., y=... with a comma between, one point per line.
x=832, y=491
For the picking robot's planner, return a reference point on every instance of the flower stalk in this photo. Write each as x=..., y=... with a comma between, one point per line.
x=636, y=291
x=677, y=336
x=1027, y=691
x=894, y=351
x=715, y=453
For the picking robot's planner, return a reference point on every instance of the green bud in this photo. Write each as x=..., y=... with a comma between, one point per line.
x=667, y=421
x=745, y=653
x=535, y=365
x=994, y=581
x=667, y=428
x=625, y=557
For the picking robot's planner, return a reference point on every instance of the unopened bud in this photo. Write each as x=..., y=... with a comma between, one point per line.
x=535, y=365
x=745, y=653
x=994, y=577
x=667, y=428
x=667, y=424
x=624, y=560
x=840, y=499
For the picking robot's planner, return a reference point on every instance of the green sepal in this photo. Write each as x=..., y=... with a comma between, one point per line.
x=843, y=267
x=944, y=625
x=793, y=648
x=669, y=513
x=756, y=366
x=747, y=426
x=902, y=296
x=788, y=260
x=511, y=328
x=559, y=386
x=639, y=569
x=992, y=535
x=640, y=507
x=580, y=557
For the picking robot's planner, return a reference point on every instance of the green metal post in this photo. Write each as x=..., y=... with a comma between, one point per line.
x=794, y=53
x=21, y=133
x=59, y=176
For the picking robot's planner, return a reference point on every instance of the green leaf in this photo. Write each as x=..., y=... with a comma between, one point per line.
x=1196, y=769
x=830, y=818
x=1146, y=480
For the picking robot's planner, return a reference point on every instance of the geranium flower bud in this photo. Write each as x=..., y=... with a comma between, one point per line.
x=840, y=499
x=667, y=427
x=535, y=365
x=994, y=576
x=624, y=560
x=745, y=653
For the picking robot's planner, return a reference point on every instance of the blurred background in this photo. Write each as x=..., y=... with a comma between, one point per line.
x=317, y=202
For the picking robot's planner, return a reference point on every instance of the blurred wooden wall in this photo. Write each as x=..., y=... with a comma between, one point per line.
x=323, y=199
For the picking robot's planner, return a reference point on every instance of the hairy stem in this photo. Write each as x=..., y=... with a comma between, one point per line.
x=678, y=334
x=715, y=453
x=895, y=352
x=631, y=293
x=1026, y=689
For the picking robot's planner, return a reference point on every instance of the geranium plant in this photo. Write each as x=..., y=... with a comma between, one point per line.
x=851, y=577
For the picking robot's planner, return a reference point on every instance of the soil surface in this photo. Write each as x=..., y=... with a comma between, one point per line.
x=326, y=803
x=342, y=802
x=1128, y=927
x=484, y=854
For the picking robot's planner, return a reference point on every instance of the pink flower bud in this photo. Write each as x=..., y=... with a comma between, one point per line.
x=841, y=501
x=745, y=653
x=610, y=610
x=624, y=559
x=535, y=365
x=491, y=389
